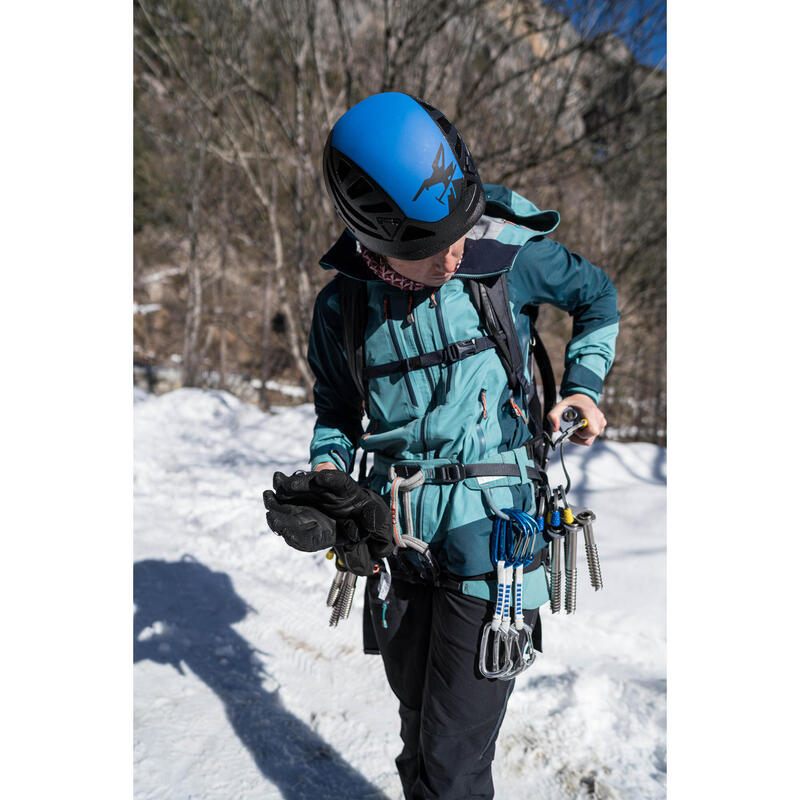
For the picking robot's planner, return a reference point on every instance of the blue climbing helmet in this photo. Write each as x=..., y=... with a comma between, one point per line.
x=401, y=177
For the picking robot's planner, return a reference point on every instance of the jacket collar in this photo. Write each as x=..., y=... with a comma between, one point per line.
x=482, y=257
x=344, y=257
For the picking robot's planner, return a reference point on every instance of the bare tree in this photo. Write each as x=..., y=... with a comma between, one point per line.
x=551, y=100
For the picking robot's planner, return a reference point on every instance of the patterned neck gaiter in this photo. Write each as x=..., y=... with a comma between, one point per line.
x=381, y=268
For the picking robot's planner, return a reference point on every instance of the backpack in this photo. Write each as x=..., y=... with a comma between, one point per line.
x=489, y=295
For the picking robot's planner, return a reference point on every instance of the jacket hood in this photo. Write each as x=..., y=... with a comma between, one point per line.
x=482, y=257
x=507, y=204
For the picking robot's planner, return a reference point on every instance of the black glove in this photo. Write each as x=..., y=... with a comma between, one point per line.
x=304, y=528
x=356, y=557
x=338, y=496
x=309, y=530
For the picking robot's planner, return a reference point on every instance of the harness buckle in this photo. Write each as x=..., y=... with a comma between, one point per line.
x=406, y=470
x=451, y=473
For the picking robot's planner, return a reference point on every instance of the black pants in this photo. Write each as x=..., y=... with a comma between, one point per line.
x=450, y=714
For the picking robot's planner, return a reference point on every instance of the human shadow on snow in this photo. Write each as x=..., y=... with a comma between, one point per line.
x=184, y=617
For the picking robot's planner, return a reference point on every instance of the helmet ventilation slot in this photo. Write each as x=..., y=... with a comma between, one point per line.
x=377, y=208
x=342, y=169
x=359, y=188
x=412, y=233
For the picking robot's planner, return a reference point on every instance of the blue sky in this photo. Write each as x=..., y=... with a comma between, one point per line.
x=648, y=40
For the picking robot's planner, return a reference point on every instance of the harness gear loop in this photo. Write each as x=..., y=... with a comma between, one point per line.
x=405, y=485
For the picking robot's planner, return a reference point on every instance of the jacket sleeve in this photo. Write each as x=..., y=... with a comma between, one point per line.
x=546, y=272
x=336, y=399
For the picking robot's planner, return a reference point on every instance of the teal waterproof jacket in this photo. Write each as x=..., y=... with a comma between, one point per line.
x=464, y=411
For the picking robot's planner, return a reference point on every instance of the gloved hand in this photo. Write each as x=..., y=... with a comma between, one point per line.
x=304, y=528
x=356, y=557
x=339, y=497
x=309, y=530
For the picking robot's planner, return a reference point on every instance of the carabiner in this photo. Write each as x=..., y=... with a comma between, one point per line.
x=497, y=668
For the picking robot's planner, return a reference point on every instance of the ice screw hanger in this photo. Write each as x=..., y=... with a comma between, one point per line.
x=555, y=531
x=572, y=421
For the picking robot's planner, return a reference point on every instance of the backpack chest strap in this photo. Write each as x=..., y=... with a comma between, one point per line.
x=455, y=351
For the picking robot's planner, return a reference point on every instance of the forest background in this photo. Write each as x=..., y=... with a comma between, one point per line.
x=233, y=99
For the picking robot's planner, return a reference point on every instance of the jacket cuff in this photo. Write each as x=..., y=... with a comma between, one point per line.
x=334, y=456
x=580, y=380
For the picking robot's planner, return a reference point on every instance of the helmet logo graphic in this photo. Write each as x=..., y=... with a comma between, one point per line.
x=440, y=174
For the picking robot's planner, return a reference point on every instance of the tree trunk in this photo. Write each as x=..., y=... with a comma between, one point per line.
x=266, y=331
x=221, y=304
x=290, y=312
x=301, y=224
x=194, y=301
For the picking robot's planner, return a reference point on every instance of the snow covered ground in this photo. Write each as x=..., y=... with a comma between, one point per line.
x=242, y=691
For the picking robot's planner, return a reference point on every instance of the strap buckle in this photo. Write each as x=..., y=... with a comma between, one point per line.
x=451, y=473
x=455, y=351
x=411, y=364
x=404, y=470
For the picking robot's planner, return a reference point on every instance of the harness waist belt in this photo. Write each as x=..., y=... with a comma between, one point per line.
x=453, y=473
x=455, y=351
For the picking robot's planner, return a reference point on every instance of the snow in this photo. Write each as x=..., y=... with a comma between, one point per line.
x=284, y=388
x=242, y=691
x=147, y=308
x=157, y=277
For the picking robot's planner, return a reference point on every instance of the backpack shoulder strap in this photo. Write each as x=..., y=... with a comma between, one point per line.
x=353, y=312
x=537, y=354
x=490, y=297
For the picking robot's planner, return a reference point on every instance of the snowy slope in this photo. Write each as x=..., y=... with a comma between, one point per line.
x=242, y=691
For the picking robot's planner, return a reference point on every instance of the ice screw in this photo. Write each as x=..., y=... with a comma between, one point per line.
x=344, y=602
x=336, y=587
x=585, y=518
x=571, y=565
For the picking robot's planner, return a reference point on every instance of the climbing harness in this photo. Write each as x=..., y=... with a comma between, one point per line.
x=506, y=646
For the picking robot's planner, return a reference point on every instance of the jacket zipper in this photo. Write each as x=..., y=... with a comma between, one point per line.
x=482, y=416
x=412, y=321
x=443, y=334
x=396, y=345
